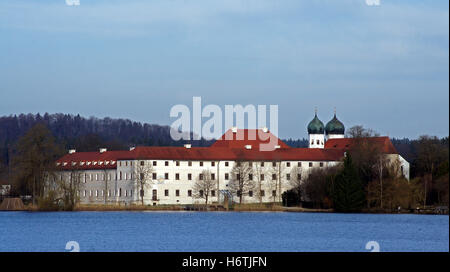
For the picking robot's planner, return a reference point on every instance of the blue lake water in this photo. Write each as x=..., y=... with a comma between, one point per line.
x=221, y=231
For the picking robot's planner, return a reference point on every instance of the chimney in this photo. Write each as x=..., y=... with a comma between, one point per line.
x=187, y=146
x=71, y=151
x=234, y=129
x=103, y=150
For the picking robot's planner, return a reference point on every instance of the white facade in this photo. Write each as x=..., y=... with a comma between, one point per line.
x=335, y=136
x=316, y=140
x=171, y=182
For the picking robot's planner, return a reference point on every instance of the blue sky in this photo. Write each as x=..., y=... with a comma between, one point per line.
x=385, y=67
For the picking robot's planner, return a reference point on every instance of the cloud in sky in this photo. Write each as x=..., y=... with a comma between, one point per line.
x=382, y=66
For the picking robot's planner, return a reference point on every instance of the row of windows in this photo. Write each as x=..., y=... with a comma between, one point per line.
x=226, y=176
x=212, y=193
x=129, y=193
x=201, y=163
x=101, y=193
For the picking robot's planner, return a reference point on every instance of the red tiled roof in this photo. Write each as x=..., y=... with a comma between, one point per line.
x=253, y=137
x=228, y=148
x=348, y=143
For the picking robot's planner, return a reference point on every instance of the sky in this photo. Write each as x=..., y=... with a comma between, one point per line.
x=384, y=66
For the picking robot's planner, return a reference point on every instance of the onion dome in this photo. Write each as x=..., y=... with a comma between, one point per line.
x=334, y=126
x=315, y=126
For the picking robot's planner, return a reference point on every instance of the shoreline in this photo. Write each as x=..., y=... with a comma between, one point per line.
x=219, y=208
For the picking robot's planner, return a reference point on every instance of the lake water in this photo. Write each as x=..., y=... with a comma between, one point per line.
x=221, y=231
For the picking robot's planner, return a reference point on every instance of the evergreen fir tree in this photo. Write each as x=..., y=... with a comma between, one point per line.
x=348, y=190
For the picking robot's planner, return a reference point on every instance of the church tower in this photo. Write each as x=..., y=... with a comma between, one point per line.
x=334, y=129
x=315, y=131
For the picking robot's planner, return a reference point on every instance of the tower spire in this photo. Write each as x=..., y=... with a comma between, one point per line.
x=315, y=110
x=334, y=111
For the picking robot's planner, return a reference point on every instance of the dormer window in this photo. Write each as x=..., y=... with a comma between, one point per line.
x=88, y=163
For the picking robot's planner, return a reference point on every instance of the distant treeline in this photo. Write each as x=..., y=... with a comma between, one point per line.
x=89, y=134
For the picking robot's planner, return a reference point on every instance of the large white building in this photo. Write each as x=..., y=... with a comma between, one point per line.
x=170, y=172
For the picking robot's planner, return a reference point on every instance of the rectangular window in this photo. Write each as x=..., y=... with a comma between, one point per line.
x=201, y=193
x=142, y=163
x=141, y=176
x=238, y=176
x=177, y=176
x=189, y=192
x=299, y=164
x=200, y=177
x=177, y=192
x=262, y=176
x=321, y=164
x=262, y=164
x=250, y=164
x=201, y=163
x=250, y=193
x=166, y=163
x=274, y=164
x=213, y=163
x=166, y=175
x=189, y=176
x=310, y=164
x=155, y=163
x=177, y=163
x=262, y=192
x=226, y=163
x=227, y=176
x=213, y=176
x=274, y=176
x=213, y=193
x=189, y=163
x=299, y=176
x=250, y=176
x=274, y=193
x=288, y=164
x=166, y=192
x=288, y=176
x=153, y=175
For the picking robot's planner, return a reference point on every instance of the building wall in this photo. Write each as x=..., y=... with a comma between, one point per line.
x=316, y=140
x=123, y=185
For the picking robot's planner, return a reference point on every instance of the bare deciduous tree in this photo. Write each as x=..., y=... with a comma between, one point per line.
x=259, y=171
x=203, y=185
x=241, y=183
x=143, y=173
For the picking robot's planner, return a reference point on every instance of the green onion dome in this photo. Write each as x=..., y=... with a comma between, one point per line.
x=315, y=126
x=334, y=126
